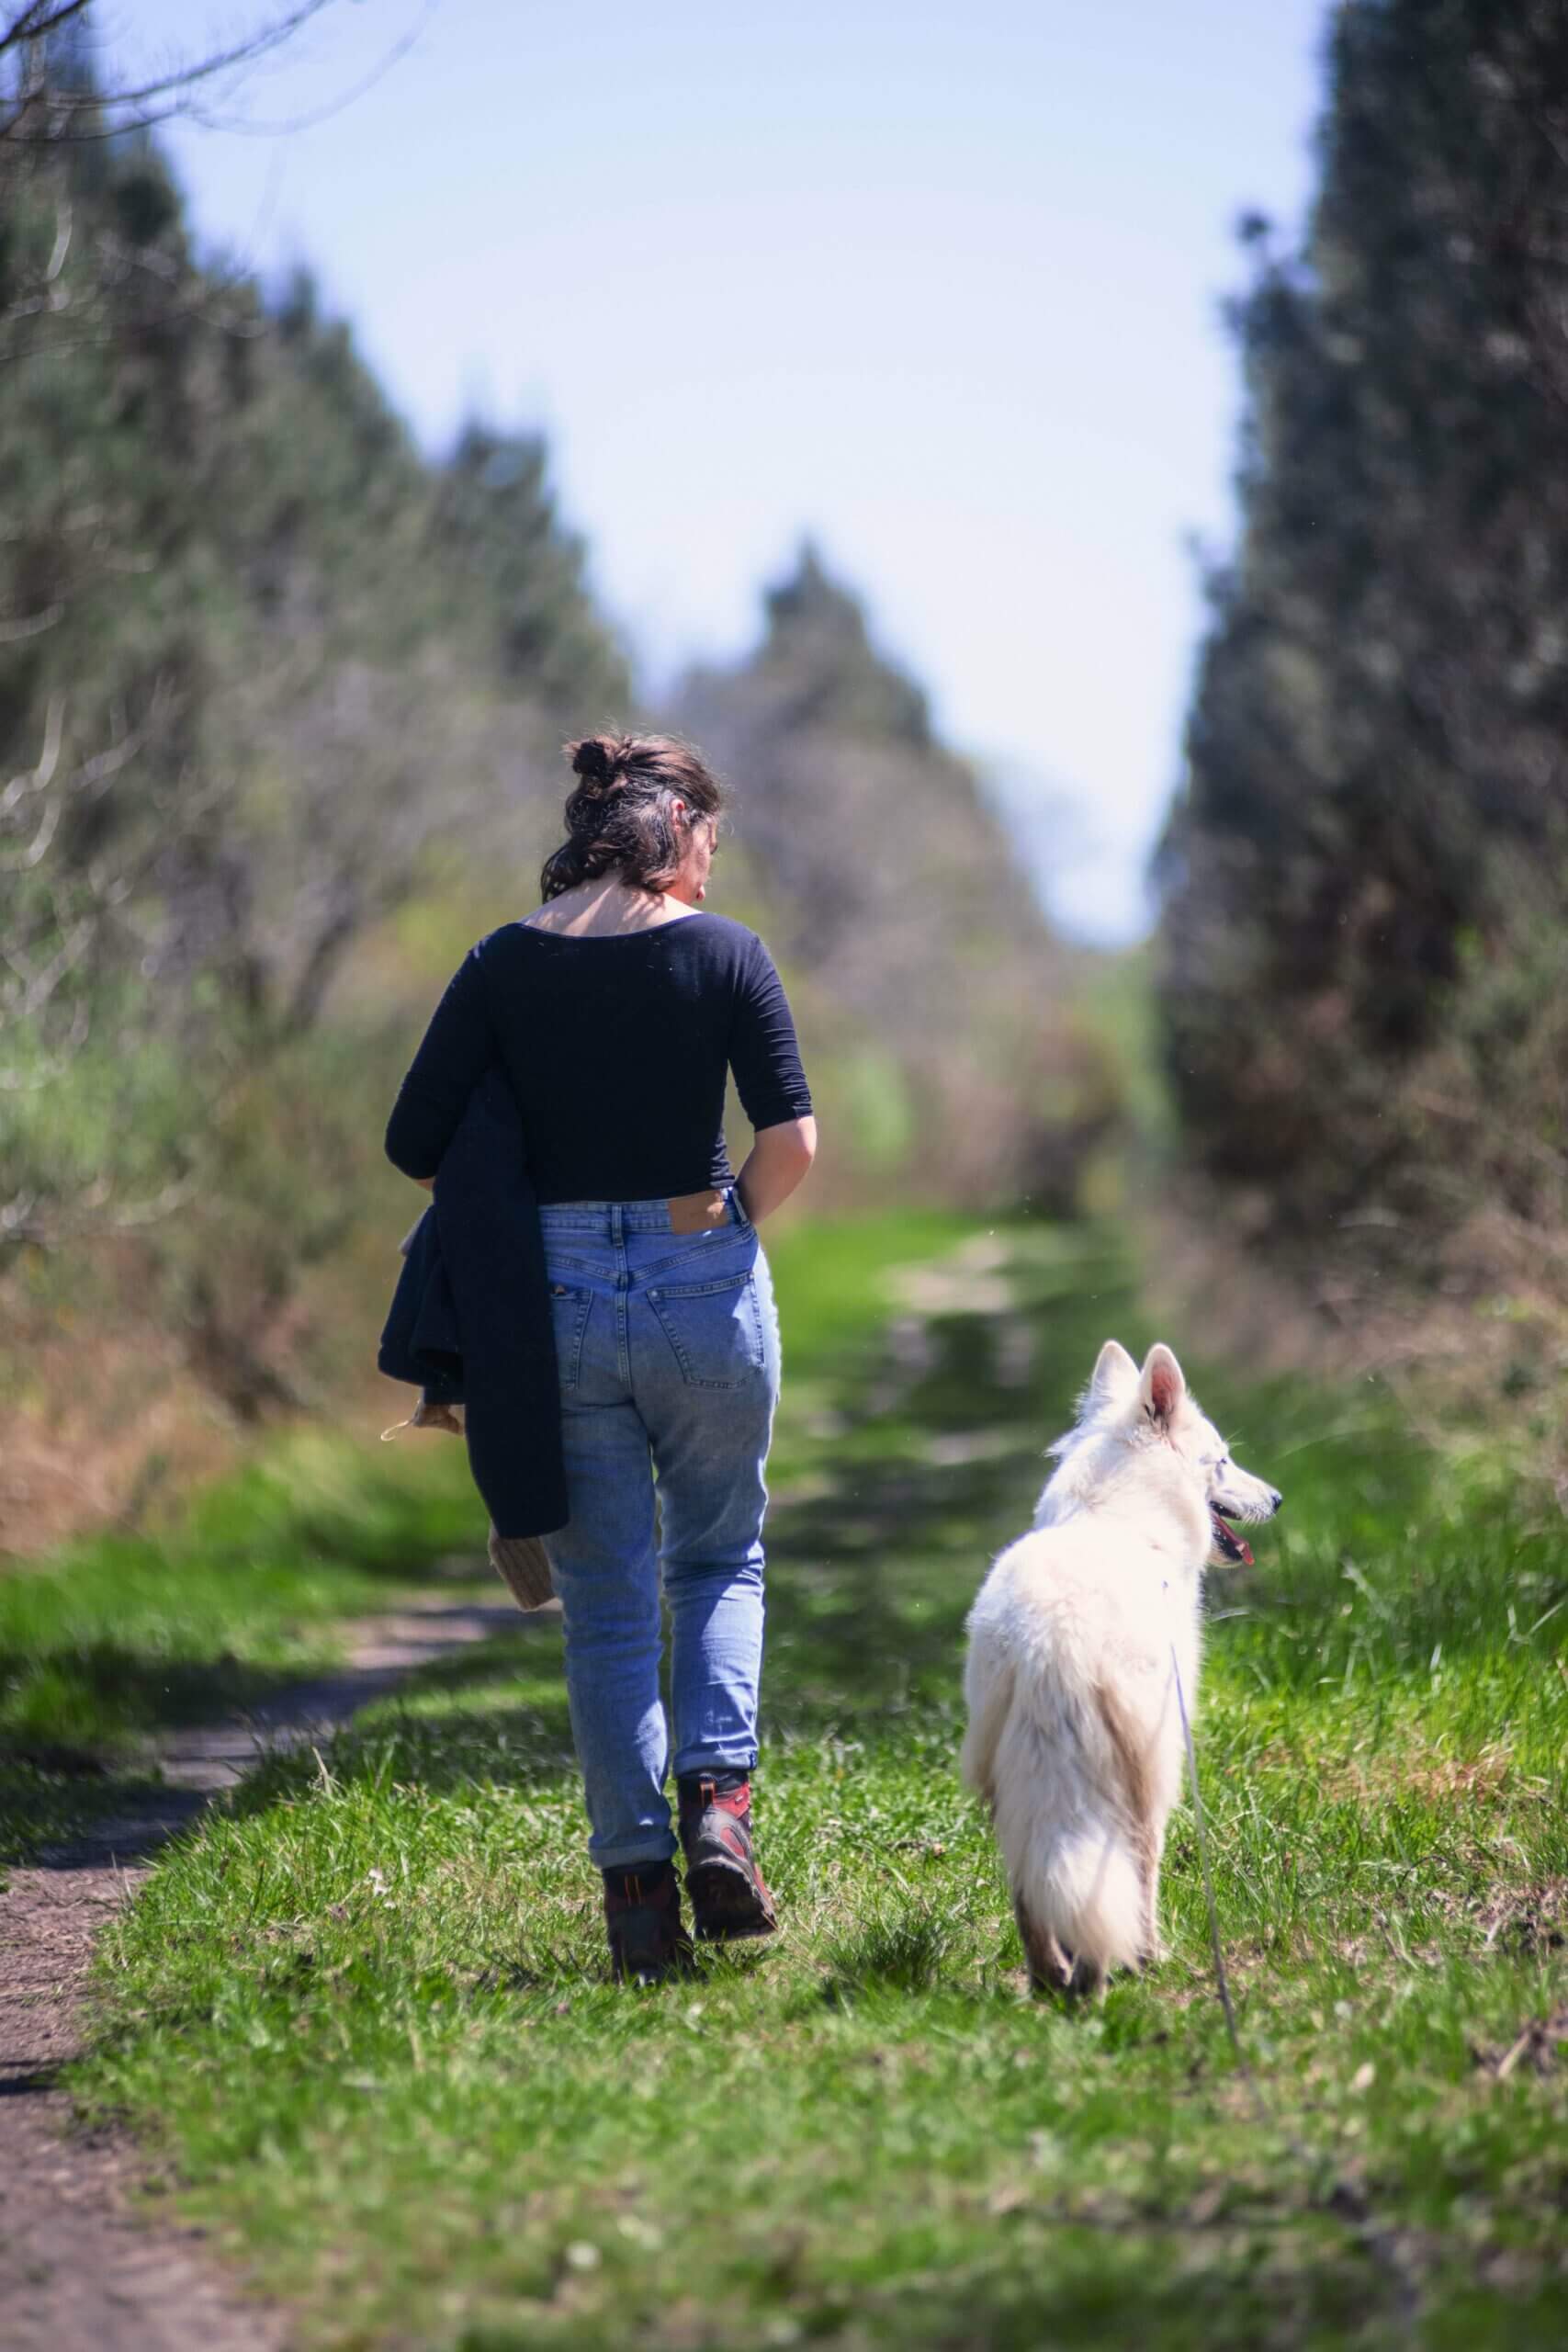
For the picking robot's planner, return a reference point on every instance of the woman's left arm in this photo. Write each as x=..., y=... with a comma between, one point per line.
x=779, y=1161
x=765, y=1058
x=453, y=1053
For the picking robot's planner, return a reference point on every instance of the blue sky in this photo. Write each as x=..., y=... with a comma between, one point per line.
x=938, y=284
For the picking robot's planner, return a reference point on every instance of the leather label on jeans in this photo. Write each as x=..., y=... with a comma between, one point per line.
x=696, y=1212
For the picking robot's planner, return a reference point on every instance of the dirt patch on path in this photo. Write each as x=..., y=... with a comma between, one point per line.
x=78, y=2271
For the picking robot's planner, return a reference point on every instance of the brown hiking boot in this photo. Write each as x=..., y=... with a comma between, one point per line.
x=729, y=1895
x=642, y=1917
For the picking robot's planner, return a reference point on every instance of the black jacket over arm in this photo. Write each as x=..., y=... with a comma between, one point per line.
x=557, y=1068
x=470, y=1319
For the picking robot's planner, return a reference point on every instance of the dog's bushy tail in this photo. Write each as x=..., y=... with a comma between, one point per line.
x=1085, y=1891
x=1075, y=1872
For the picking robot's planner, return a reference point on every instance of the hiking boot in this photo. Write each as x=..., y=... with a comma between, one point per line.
x=642, y=1917
x=730, y=1896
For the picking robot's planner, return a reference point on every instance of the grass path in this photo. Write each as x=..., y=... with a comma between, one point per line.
x=112, y=1648
x=361, y=2017
x=75, y=2270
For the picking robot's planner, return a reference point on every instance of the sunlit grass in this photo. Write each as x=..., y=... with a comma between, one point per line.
x=125, y=1634
x=364, y=2014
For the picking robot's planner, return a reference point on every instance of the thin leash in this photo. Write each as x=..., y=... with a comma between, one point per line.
x=1244, y=2063
x=1344, y=2198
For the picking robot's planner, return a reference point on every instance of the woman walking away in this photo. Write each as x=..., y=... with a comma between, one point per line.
x=616, y=1008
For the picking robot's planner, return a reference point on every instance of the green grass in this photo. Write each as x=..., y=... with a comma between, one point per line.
x=127, y=1634
x=362, y=2018
x=124, y=1636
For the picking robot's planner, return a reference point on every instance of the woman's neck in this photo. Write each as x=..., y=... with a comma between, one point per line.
x=606, y=909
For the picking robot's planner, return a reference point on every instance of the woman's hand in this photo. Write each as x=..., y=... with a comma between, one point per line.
x=777, y=1162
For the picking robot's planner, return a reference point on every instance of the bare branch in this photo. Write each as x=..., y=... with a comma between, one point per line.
x=173, y=1197
x=13, y=135
x=40, y=841
x=38, y=779
x=30, y=624
x=16, y=1214
x=39, y=987
x=38, y=19
x=95, y=775
x=247, y=129
x=62, y=243
x=79, y=116
x=248, y=51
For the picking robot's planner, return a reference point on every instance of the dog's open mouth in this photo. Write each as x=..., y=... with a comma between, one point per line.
x=1227, y=1543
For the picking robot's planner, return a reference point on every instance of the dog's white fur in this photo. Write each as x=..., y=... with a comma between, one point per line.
x=1075, y=1734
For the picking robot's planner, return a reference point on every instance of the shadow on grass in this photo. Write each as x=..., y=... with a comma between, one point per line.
x=507, y=1747
x=117, y=1689
x=208, y=1719
x=514, y=1743
x=57, y=1788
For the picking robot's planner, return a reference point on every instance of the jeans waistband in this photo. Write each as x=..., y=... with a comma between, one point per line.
x=607, y=1217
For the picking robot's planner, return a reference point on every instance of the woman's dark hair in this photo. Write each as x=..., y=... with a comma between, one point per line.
x=621, y=816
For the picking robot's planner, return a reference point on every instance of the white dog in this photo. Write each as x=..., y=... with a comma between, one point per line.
x=1074, y=1732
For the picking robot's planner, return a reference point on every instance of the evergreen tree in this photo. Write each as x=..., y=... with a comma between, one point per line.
x=495, y=530
x=252, y=680
x=1375, y=792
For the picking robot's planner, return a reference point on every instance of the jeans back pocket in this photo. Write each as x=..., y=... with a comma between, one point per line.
x=715, y=1328
x=570, y=1303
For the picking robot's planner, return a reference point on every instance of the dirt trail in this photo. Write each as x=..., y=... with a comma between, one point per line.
x=78, y=2272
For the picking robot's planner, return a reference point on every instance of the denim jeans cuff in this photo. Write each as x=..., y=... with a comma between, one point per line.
x=715, y=1759
x=656, y=1846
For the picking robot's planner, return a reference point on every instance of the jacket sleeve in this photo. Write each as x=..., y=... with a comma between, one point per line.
x=763, y=1053
x=453, y=1053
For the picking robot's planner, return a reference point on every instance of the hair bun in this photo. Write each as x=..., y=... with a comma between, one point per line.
x=594, y=761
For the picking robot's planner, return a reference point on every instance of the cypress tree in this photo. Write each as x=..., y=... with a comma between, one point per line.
x=1377, y=752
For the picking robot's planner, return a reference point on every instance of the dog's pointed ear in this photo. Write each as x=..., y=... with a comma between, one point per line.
x=1115, y=1373
x=1161, y=1385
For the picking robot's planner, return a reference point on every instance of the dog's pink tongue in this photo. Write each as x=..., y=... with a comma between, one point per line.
x=1234, y=1546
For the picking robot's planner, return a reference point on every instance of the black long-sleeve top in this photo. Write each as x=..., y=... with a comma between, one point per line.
x=616, y=1048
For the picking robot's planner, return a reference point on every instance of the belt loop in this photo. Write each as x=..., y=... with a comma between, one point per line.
x=617, y=1223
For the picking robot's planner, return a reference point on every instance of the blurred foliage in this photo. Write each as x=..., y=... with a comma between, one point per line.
x=900, y=907
x=281, y=699
x=1366, y=874
x=262, y=664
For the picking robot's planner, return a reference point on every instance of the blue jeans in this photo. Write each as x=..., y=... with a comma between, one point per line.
x=669, y=1356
